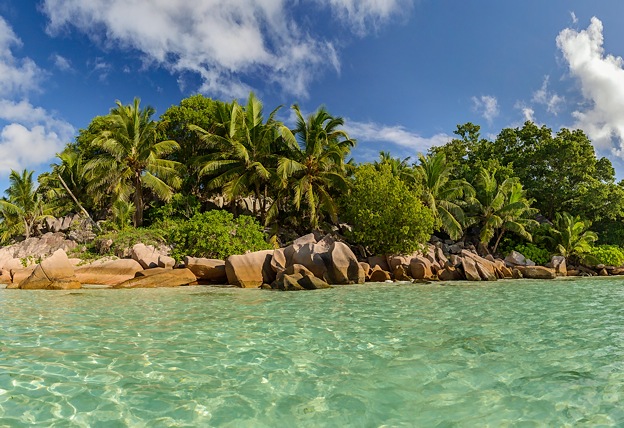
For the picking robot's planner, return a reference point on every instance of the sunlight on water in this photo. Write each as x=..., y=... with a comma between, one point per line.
x=511, y=353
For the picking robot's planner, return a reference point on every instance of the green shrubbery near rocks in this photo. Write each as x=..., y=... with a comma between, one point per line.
x=539, y=255
x=610, y=255
x=387, y=216
x=213, y=234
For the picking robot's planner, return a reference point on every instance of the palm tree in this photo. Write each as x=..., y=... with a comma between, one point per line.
x=131, y=159
x=399, y=167
x=501, y=207
x=443, y=195
x=243, y=144
x=314, y=164
x=572, y=238
x=24, y=207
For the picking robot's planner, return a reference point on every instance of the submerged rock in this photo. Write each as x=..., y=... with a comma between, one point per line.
x=108, y=272
x=160, y=278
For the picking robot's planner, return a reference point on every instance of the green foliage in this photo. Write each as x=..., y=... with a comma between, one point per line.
x=610, y=232
x=610, y=255
x=195, y=110
x=539, y=255
x=499, y=208
x=312, y=169
x=24, y=208
x=213, y=234
x=386, y=215
x=572, y=238
x=180, y=206
x=442, y=195
x=127, y=238
x=131, y=160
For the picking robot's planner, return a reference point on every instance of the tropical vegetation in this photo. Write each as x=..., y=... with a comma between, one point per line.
x=231, y=171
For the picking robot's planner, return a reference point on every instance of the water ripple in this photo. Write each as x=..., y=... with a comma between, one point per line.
x=510, y=353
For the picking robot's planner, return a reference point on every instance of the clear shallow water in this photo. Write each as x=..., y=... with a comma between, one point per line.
x=507, y=354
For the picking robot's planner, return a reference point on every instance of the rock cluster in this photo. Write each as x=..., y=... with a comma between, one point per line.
x=309, y=263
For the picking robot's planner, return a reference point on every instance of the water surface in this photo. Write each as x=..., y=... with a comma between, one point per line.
x=513, y=353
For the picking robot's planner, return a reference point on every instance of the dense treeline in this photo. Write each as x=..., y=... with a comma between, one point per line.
x=529, y=188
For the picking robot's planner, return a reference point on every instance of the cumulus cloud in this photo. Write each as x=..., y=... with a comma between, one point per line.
x=549, y=99
x=223, y=41
x=29, y=135
x=601, y=80
x=573, y=17
x=374, y=132
x=486, y=106
x=17, y=76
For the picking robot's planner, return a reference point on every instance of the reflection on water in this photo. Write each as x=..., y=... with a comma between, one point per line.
x=516, y=352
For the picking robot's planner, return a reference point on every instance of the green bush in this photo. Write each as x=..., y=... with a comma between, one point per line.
x=539, y=255
x=127, y=238
x=213, y=234
x=610, y=255
x=387, y=217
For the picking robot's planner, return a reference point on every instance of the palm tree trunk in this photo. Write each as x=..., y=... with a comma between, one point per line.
x=498, y=240
x=26, y=229
x=138, y=201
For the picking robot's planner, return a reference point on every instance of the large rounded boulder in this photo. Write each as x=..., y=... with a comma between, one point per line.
x=54, y=273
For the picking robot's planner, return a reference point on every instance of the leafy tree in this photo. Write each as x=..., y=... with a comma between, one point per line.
x=560, y=171
x=386, y=215
x=244, y=148
x=214, y=234
x=314, y=164
x=131, y=159
x=442, y=194
x=501, y=208
x=571, y=238
x=175, y=124
x=399, y=167
x=24, y=208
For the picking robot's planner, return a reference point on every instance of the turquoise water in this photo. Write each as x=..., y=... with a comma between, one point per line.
x=516, y=353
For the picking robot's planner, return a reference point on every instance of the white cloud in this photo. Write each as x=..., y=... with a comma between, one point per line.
x=527, y=112
x=61, y=62
x=573, y=17
x=223, y=41
x=29, y=135
x=601, y=79
x=374, y=132
x=551, y=100
x=487, y=106
x=17, y=76
x=32, y=136
x=361, y=15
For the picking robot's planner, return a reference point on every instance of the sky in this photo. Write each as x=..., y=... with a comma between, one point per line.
x=402, y=73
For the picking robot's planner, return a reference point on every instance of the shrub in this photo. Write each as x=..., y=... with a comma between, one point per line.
x=213, y=234
x=387, y=217
x=539, y=255
x=610, y=255
x=126, y=238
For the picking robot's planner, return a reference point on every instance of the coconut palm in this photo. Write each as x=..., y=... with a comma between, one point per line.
x=23, y=208
x=399, y=167
x=501, y=207
x=131, y=159
x=443, y=195
x=315, y=163
x=243, y=144
x=572, y=238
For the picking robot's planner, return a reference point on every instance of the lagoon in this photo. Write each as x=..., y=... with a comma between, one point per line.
x=519, y=353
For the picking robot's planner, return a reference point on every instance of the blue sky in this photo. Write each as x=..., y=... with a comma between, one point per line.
x=403, y=73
